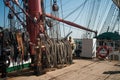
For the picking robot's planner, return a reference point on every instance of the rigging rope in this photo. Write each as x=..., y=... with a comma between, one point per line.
x=101, y=16
x=90, y=16
x=116, y=13
x=96, y=9
x=75, y=9
x=78, y=15
x=62, y=17
x=109, y=19
x=55, y=30
x=68, y=1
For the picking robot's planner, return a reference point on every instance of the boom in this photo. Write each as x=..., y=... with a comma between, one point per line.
x=69, y=23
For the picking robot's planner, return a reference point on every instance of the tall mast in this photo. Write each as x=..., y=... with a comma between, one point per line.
x=36, y=27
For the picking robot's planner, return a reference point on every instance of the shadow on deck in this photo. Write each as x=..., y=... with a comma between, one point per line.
x=111, y=72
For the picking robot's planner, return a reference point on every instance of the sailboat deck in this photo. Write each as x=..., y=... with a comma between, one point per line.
x=80, y=70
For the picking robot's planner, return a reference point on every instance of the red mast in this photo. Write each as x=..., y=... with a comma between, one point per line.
x=36, y=26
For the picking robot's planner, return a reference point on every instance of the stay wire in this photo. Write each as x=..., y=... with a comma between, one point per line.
x=75, y=9
x=90, y=18
x=116, y=20
x=78, y=15
x=62, y=16
x=109, y=19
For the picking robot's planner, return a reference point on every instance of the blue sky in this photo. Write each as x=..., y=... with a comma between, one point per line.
x=2, y=13
x=82, y=16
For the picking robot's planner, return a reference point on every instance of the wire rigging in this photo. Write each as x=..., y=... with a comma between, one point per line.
x=109, y=19
x=77, y=17
x=62, y=16
x=95, y=16
x=75, y=9
x=101, y=17
x=90, y=16
x=96, y=9
x=95, y=6
x=114, y=20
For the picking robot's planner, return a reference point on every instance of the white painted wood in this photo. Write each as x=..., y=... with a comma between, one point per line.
x=88, y=48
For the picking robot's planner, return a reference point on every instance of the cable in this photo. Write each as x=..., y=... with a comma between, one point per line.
x=90, y=17
x=115, y=22
x=96, y=9
x=79, y=13
x=62, y=17
x=77, y=16
x=76, y=9
x=68, y=1
x=103, y=16
x=109, y=19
